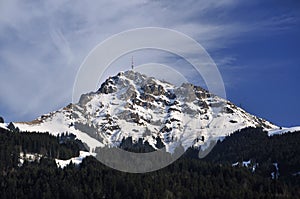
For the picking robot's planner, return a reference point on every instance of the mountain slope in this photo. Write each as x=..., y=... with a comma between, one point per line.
x=133, y=105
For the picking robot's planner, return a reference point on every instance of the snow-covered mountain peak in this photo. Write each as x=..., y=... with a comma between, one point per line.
x=134, y=81
x=133, y=105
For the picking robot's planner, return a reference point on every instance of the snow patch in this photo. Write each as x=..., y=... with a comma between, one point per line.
x=4, y=126
x=30, y=157
x=275, y=174
x=246, y=163
x=235, y=164
x=74, y=160
x=283, y=130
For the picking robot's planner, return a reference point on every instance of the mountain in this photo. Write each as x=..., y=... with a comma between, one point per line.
x=133, y=105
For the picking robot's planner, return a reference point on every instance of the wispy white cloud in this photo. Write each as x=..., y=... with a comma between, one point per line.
x=61, y=44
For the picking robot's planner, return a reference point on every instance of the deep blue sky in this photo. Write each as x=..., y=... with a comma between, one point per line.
x=255, y=44
x=268, y=83
x=268, y=76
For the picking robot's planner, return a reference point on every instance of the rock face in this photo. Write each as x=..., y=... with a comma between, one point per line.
x=133, y=105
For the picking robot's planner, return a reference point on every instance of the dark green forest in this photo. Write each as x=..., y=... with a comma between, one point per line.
x=188, y=177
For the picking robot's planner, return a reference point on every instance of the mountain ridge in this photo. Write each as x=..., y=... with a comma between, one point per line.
x=133, y=105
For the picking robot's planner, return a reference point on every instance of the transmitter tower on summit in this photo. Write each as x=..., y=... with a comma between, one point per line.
x=132, y=64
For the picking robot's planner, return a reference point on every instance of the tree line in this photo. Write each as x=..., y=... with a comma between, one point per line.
x=188, y=177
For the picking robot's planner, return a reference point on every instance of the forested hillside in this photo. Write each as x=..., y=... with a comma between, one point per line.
x=189, y=177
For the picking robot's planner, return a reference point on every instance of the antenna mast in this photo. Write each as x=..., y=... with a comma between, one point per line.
x=132, y=65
